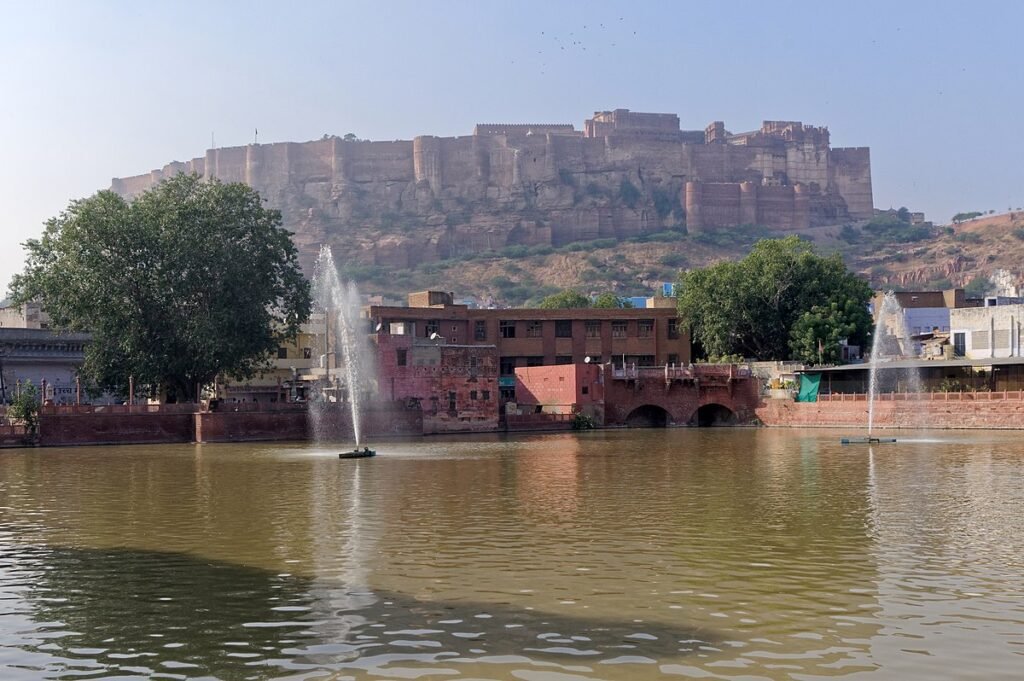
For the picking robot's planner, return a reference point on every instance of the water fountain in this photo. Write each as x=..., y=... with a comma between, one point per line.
x=886, y=347
x=340, y=304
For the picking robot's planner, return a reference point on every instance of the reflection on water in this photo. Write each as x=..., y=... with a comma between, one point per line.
x=729, y=554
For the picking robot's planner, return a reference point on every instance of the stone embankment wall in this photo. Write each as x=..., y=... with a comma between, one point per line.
x=997, y=410
x=68, y=426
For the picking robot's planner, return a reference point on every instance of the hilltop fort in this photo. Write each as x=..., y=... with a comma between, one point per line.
x=401, y=203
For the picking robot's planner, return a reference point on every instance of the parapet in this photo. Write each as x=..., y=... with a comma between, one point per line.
x=524, y=129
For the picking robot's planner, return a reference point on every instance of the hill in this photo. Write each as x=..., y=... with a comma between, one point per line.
x=898, y=256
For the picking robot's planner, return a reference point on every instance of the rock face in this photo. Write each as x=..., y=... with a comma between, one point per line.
x=399, y=204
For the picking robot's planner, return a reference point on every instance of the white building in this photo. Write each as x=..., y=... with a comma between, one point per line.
x=987, y=332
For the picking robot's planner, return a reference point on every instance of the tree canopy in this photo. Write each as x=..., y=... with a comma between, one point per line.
x=191, y=279
x=564, y=299
x=776, y=303
x=571, y=298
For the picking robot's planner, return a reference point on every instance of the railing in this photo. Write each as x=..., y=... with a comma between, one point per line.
x=999, y=395
x=682, y=372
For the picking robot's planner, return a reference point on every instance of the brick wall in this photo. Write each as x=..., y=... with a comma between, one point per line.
x=940, y=410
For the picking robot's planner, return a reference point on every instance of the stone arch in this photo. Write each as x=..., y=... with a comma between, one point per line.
x=713, y=414
x=648, y=416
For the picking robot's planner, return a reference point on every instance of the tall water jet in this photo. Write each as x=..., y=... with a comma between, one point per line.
x=340, y=304
x=891, y=340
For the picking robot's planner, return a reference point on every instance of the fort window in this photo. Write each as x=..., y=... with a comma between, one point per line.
x=563, y=328
x=432, y=327
x=563, y=359
x=480, y=330
x=534, y=361
x=673, y=328
x=673, y=358
x=593, y=328
x=472, y=394
x=282, y=353
x=507, y=329
x=487, y=395
x=401, y=356
x=451, y=401
x=585, y=389
x=533, y=329
x=307, y=353
x=645, y=328
x=619, y=329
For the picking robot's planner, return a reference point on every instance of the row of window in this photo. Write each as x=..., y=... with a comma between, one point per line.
x=282, y=353
x=563, y=329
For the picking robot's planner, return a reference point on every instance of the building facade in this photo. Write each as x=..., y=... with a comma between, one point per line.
x=540, y=337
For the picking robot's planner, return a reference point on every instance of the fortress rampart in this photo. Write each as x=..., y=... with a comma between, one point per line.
x=531, y=184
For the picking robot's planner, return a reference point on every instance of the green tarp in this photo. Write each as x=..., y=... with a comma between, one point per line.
x=809, y=388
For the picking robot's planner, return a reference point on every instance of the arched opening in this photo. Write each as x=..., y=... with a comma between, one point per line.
x=647, y=416
x=714, y=415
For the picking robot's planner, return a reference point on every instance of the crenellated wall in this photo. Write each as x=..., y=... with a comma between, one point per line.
x=410, y=201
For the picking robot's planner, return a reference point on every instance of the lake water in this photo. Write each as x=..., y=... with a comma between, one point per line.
x=703, y=553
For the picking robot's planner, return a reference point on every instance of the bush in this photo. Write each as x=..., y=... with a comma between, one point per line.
x=581, y=421
x=673, y=260
x=849, y=234
x=1019, y=233
x=892, y=229
x=24, y=409
x=629, y=194
x=967, y=238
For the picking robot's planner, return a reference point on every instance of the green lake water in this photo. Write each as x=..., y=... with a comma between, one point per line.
x=641, y=554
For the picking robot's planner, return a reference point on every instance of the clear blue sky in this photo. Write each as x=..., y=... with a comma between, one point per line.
x=93, y=90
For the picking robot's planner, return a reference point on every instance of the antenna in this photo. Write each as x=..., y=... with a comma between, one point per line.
x=213, y=141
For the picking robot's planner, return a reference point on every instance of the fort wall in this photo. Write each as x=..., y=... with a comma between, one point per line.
x=535, y=184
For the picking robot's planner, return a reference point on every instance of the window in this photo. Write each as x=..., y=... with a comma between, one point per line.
x=282, y=353
x=507, y=328
x=563, y=359
x=401, y=355
x=563, y=328
x=673, y=358
x=487, y=395
x=433, y=326
x=619, y=329
x=507, y=366
x=645, y=328
x=480, y=330
x=533, y=329
x=585, y=389
x=593, y=328
x=451, y=401
x=534, y=361
x=472, y=394
x=307, y=353
x=673, y=328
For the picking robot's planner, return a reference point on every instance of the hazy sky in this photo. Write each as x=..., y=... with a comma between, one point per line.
x=94, y=90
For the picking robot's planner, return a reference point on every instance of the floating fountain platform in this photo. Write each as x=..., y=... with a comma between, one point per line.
x=358, y=453
x=866, y=440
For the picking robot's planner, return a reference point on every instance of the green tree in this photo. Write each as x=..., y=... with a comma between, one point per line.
x=24, y=408
x=191, y=279
x=610, y=301
x=815, y=336
x=564, y=299
x=750, y=307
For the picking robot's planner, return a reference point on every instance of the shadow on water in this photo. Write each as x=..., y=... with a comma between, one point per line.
x=96, y=611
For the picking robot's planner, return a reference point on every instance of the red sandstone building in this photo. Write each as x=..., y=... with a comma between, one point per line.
x=537, y=337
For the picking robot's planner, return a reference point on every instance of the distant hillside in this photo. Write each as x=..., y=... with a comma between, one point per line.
x=889, y=256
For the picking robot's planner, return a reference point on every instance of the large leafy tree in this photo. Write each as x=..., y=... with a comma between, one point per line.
x=751, y=307
x=191, y=279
